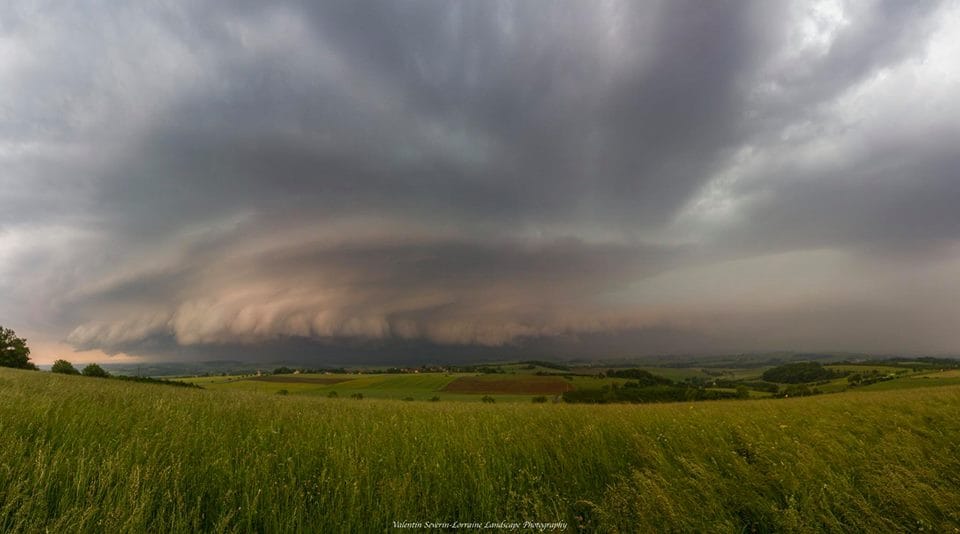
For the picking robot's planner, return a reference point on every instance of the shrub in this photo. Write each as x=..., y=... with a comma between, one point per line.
x=799, y=390
x=435, y=399
x=95, y=370
x=488, y=399
x=539, y=399
x=332, y=394
x=357, y=396
x=64, y=367
x=643, y=378
x=660, y=393
x=799, y=373
x=283, y=392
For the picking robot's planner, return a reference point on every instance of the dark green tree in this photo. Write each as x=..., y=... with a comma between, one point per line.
x=95, y=370
x=799, y=373
x=64, y=367
x=14, y=351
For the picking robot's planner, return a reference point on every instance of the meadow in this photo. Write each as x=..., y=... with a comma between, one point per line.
x=80, y=454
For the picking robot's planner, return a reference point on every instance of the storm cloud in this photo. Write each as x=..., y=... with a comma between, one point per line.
x=568, y=178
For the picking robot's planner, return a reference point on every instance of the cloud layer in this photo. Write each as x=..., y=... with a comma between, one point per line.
x=613, y=177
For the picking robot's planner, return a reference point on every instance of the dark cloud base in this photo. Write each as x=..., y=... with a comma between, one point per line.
x=477, y=180
x=346, y=352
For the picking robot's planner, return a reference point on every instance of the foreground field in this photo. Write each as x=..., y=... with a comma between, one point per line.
x=84, y=454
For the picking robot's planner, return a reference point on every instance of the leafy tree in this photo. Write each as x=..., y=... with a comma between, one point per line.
x=799, y=390
x=95, y=370
x=14, y=351
x=642, y=377
x=64, y=367
x=799, y=373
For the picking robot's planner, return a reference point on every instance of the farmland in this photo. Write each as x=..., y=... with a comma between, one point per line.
x=512, y=382
x=510, y=386
x=90, y=455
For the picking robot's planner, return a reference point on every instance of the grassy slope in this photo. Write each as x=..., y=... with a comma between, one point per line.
x=395, y=386
x=945, y=378
x=82, y=454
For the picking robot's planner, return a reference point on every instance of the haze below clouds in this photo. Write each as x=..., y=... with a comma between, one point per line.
x=373, y=180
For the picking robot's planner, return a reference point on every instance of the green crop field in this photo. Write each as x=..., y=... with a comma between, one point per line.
x=945, y=378
x=82, y=454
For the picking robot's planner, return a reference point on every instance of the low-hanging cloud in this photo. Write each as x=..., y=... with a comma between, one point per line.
x=444, y=292
x=637, y=177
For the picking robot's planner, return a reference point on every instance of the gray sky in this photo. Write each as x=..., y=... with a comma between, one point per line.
x=194, y=179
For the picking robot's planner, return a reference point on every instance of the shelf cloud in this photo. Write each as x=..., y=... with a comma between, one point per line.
x=567, y=178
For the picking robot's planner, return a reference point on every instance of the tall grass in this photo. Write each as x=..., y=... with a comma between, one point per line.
x=88, y=455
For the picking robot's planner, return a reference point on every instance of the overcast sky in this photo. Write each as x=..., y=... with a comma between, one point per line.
x=189, y=179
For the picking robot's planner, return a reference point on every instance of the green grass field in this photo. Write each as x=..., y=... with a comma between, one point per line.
x=923, y=380
x=92, y=455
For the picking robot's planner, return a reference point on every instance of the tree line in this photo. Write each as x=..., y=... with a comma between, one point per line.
x=15, y=353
